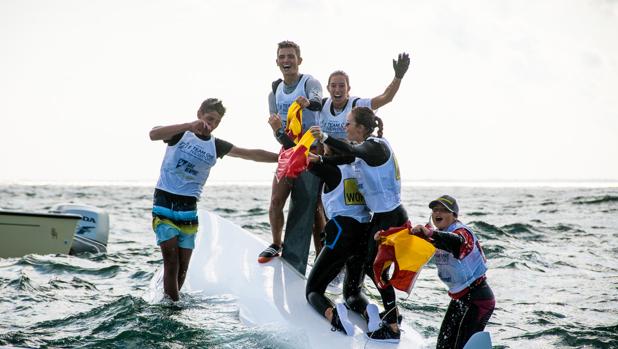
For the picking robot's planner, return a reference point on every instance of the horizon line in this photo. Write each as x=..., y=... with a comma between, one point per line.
x=593, y=183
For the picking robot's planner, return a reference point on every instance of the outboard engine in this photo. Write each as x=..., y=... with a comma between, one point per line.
x=92, y=230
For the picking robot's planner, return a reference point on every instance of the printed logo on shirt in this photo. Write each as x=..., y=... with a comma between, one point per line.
x=440, y=258
x=188, y=167
x=283, y=110
x=351, y=193
x=195, y=150
x=333, y=127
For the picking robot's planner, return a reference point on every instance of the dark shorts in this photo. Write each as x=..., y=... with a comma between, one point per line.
x=174, y=216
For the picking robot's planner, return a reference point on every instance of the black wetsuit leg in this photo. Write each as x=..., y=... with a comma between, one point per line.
x=466, y=316
x=382, y=221
x=342, y=237
x=355, y=272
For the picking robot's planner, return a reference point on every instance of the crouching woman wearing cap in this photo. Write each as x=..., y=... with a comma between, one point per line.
x=461, y=266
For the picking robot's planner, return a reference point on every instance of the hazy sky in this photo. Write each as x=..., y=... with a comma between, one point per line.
x=503, y=90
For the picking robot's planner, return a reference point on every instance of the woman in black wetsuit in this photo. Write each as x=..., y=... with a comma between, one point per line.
x=345, y=240
x=377, y=173
x=461, y=266
x=345, y=244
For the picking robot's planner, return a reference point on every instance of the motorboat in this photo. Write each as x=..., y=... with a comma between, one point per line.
x=67, y=228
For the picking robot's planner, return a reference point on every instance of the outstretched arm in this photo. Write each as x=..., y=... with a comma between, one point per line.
x=373, y=153
x=258, y=155
x=401, y=67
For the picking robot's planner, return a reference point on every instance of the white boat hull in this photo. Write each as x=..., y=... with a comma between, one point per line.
x=25, y=233
x=270, y=295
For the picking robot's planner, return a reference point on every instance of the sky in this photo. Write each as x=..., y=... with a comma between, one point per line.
x=497, y=90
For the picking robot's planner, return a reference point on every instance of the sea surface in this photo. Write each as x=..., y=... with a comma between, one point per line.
x=553, y=253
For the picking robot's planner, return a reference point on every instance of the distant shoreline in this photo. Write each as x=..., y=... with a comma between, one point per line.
x=418, y=183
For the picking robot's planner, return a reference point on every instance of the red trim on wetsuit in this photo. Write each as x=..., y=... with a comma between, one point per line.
x=465, y=250
x=468, y=245
x=465, y=291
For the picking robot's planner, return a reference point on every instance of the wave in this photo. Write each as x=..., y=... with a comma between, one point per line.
x=225, y=210
x=567, y=228
x=486, y=230
x=257, y=226
x=132, y=322
x=519, y=265
x=62, y=264
x=578, y=336
x=256, y=211
x=594, y=200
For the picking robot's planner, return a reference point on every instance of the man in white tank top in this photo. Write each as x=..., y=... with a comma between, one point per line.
x=307, y=91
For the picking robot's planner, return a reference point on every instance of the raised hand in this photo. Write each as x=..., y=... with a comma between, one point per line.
x=200, y=127
x=401, y=65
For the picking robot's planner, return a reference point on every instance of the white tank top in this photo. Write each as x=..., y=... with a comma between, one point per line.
x=333, y=124
x=283, y=101
x=186, y=165
x=345, y=199
x=458, y=274
x=380, y=185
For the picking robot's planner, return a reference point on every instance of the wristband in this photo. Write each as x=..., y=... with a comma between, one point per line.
x=280, y=132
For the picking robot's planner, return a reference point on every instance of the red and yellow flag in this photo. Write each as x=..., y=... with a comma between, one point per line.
x=294, y=125
x=409, y=254
x=294, y=160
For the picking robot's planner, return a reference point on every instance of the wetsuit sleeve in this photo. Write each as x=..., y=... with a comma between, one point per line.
x=314, y=94
x=174, y=140
x=330, y=174
x=338, y=159
x=284, y=139
x=459, y=243
x=373, y=153
x=222, y=147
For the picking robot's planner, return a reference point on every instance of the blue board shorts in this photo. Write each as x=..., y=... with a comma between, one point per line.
x=174, y=216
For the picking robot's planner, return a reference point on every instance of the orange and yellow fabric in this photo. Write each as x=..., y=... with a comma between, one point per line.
x=294, y=125
x=409, y=254
x=294, y=160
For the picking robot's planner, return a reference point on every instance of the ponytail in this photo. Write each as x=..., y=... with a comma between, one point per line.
x=380, y=126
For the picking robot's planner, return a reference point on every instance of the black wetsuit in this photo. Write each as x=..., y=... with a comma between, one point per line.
x=376, y=154
x=470, y=309
x=345, y=244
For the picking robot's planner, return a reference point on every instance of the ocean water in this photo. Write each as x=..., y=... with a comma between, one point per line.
x=553, y=253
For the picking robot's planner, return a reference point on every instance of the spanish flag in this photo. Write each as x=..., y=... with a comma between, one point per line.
x=409, y=253
x=294, y=160
x=294, y=125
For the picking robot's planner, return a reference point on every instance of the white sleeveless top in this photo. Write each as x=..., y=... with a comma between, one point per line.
x=186, y=165
x=380, y=185
x=458, y=274
x=334, y=124
x=345, y=199
x=283, y=101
